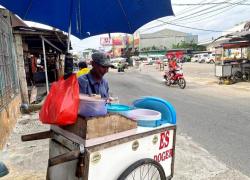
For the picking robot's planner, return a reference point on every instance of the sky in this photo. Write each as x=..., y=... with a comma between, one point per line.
x=205, y=18
x=212, y=15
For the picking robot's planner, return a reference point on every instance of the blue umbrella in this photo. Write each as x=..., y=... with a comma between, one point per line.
x=91, y=17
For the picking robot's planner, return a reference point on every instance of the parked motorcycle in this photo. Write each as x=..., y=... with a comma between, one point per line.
x=177, y=78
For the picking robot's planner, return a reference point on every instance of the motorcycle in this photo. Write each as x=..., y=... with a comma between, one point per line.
x=177, y=78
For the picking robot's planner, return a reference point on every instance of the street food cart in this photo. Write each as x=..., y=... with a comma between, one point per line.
x=111, y=147
x=233, y=61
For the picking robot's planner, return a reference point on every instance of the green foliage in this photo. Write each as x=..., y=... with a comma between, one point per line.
x=91, y=49
x=154, y=48
x=192, y=46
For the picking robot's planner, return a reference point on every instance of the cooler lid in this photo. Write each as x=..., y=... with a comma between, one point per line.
x=118, y=107
x=168, y=112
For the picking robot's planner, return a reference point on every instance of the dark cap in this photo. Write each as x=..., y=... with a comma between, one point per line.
x=101, y=59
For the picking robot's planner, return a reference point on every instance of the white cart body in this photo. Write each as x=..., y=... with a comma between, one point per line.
x=108, y=157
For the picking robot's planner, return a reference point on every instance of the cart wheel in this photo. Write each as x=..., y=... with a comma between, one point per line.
x=245, y=76
x=144, y=169
x=237, y=76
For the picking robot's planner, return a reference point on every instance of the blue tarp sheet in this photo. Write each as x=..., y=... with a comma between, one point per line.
x=90, y=17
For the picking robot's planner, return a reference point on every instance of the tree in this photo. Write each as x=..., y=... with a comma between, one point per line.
x=191, y=45
x=154, y=48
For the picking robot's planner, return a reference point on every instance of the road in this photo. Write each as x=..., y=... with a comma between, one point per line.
x=212, y=126
x=216, y=117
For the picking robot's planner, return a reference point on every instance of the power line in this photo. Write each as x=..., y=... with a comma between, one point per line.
x=170, y=22
x=226, y=8
x=203, y=11
x=188, y=27
x=188, y=11
x=207, y=17
x=184, y=13
x=200, y=29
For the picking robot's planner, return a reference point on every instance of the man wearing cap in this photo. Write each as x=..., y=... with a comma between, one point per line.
x=93, y=82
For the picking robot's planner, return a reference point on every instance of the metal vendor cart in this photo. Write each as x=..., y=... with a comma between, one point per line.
x=121, y=151
x=232, y=61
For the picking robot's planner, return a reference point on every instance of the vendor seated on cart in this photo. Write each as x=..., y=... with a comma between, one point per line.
x=93, y=82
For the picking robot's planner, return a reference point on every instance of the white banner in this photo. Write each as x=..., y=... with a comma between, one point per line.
x=105, y=41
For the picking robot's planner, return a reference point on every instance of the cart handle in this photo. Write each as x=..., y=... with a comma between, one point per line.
x=36, y=136
x=69, y=156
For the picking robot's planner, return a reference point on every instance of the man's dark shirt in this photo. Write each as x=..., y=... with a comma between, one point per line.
x=88, y=85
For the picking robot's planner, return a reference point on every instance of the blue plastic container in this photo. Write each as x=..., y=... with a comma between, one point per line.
x=168, y=112
x=90, y=107
x=145, y=117
x=118, y=108
x=144, y=123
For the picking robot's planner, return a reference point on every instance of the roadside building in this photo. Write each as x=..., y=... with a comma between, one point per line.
x=86, y=54
x=10, y=97
x=236, y=33
x=233, y=54
x=22, y=65
x=165, y=39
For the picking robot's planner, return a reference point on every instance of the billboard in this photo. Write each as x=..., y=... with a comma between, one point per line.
x=117, y=41
x=106, y=41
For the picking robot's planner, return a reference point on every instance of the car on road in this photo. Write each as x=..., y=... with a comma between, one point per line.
x=115, y=61
x=195, y=58
x=203, y=58
x=156, y=58
x=145, y=59
x=200, y=58
x=210, y=59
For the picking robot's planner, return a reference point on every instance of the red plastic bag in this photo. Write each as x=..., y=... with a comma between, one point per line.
x=61, y=104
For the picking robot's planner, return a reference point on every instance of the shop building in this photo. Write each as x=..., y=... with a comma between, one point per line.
x=22, y=65
x=165, y=39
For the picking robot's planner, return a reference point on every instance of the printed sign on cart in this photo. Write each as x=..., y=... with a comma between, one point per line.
x=164, y=152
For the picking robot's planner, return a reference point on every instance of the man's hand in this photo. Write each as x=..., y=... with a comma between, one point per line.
x=113, y=100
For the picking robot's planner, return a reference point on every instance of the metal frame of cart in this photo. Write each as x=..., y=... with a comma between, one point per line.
x=234, y=69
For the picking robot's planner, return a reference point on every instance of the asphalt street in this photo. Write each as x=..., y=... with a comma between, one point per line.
x=212, y=126
x=216, y=117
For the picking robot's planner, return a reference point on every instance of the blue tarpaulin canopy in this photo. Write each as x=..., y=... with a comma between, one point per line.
x=90, y=17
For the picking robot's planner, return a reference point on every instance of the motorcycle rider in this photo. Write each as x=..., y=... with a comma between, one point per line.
x=172, y=66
